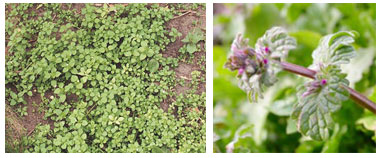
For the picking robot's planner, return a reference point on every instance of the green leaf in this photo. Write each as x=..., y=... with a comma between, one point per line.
x=291, y=126
x=313, y=110
x=62, y=98
x=283, y=107
x=156, y=149
x=333, y=144
x=13, y=95
x=335, y=49
x=144, y=43
x=150, y=53
x=74, y=78
x=104, y=100
x=278, y=41
x=369, y=122
x=194, y=36
x=153, y=65
x=374, y=95
x=359, y=65
x=142, y=57
x=136, y=53
x=191, y=48
x=53, y=83
x=13, y=102
x=244, y=131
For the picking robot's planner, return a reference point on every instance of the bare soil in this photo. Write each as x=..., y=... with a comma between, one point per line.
x=184, y=24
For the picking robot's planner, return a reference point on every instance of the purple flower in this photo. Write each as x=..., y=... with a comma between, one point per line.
x=241, y=70
x=311, y=87
x=266, y=49
x=265, y=61
x=323, y=82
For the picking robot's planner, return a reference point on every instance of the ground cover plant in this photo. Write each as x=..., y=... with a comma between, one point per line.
x=104, y=78
x=268, y=106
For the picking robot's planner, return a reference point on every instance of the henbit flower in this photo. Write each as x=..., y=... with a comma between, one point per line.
x=323, y=82
x=313, y=86
x=241, y=52
x=241, y=71
x=266, y=49
x=265, y=61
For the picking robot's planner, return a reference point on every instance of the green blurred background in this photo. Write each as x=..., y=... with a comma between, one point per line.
x=263, y=126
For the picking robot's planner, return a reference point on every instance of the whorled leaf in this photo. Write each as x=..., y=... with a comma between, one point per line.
x=317, y=100
x=257, y=67
x=335, y=49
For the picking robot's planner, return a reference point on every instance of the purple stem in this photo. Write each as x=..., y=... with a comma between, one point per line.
x=354, y=95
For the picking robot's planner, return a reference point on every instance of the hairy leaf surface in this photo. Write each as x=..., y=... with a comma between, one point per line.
x=335, y=49
x=313, y=111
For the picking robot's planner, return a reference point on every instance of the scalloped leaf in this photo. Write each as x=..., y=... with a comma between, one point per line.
x=278, y=41
x=335, y=49
x=313, y=111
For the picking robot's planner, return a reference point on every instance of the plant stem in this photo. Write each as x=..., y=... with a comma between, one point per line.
x=354, y=95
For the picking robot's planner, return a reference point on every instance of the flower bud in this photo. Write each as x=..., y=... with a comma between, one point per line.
x=323, y=82
x=241, y=71
x=265, y=61
x=266, y=50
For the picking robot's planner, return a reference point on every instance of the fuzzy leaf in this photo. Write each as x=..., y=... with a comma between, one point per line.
x=278, y=41
x=335, y=49
x=191, y=48
x=313, y=111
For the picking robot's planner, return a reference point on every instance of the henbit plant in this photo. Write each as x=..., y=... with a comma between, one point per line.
x=318, y=99
x=191, y=42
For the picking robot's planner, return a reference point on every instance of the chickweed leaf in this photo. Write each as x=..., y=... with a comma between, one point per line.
x=153, y=65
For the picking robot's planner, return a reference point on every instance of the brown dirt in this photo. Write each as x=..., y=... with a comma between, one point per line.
x=71, y=98
x=35, y=115
x=183, y=23
x=166, y=104
x=78, y=7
